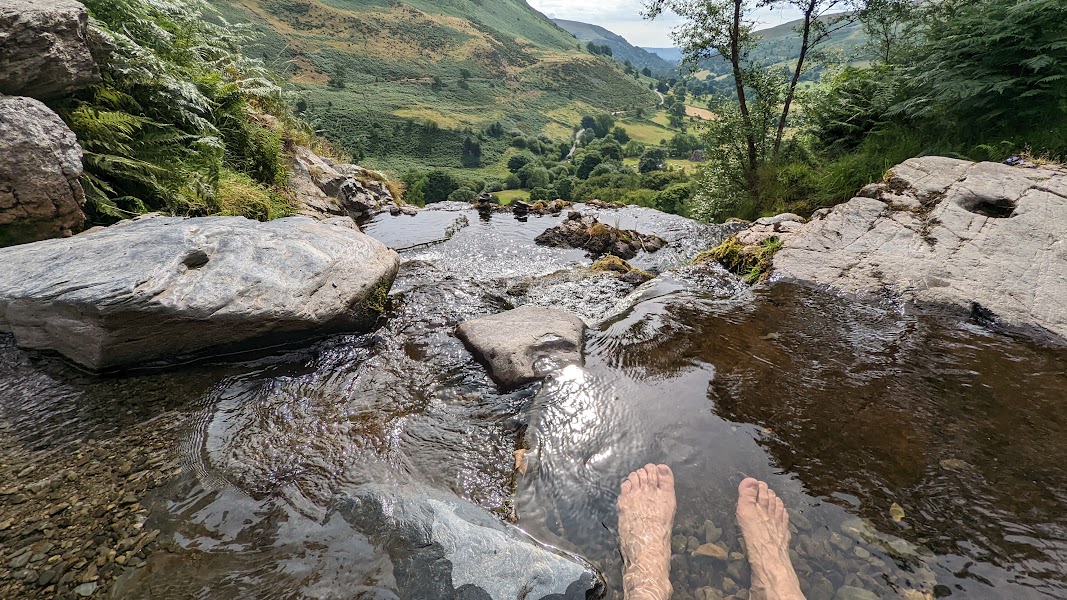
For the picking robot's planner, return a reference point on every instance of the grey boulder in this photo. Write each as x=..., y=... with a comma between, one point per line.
x=444, y=547
x=44, y=48
x=40, y=162
x=988, y=237
x=163, y=287
x=325, y=188
x=524, y=344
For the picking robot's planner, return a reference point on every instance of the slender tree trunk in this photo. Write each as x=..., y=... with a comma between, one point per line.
x=739, y=82
x=805, y=45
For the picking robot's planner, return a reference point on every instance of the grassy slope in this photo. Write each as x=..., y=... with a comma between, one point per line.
x=621, y=49
x=524, y=72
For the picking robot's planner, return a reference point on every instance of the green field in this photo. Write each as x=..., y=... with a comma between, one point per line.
x=509, y=196
x=683, y=164
x=646, y=131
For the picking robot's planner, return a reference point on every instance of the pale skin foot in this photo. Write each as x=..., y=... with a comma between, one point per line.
x=764, y=524
x=646, y=517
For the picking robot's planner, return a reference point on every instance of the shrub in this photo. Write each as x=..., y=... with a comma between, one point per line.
x=463, y=195
x=652, y=160
x=239, y=195
x=541, y=193
x=673, y=199
x=588, y=161
x=519, y=161
x=438, y=186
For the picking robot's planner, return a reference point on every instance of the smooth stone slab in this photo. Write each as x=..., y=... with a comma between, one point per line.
x=987, y=237
x=163, y=287
x=524, y=344
x=445, y=548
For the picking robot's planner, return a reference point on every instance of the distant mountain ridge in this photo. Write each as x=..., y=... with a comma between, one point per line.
x=779, y=47
x=670, y=55
x=621, y=49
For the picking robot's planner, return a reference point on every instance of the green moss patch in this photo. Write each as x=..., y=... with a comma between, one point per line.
x=752, y=263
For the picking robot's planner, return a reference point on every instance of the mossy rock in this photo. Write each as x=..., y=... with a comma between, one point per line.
x=614, y=264
x=751, y=262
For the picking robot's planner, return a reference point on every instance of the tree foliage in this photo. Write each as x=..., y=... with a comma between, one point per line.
x=997, y=65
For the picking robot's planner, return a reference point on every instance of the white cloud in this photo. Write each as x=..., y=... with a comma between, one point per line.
x=624, y=18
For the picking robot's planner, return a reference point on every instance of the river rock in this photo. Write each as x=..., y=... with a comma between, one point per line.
x=325, y=188
x=524, y=344
x=987, y=237
x=710, y=550
x=444, y=547
x=587, y=233
x=848, y=592
x=168, y=286
x=40, y=162
x=44, y=48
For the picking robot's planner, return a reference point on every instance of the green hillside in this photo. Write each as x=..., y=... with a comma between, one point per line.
x=779, y=46
x=422, y=83
x=622, y=50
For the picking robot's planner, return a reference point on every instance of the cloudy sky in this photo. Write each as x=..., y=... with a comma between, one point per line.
x=624, y=18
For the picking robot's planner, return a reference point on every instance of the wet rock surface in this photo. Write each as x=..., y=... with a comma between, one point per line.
x=445, y=547
x=162, y=287
x=592, y=295
x=526, y=343
x=40, y=196
x=587, y=233
x=44, y=48
x=984, y=236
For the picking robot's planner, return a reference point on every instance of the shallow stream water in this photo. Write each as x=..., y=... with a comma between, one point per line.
x=850, y=410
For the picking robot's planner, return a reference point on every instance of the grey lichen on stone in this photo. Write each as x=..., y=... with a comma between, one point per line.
x=44, y=48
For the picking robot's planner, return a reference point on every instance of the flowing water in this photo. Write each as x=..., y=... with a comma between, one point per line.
x=918, y=452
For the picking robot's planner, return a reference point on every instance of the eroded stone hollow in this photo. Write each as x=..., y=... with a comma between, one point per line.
x=994, y=208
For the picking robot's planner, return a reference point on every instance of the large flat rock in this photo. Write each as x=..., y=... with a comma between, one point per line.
x=44, y=48
x=988, y=237
x=40, y=162
x=524, y=344
x=445, y=548
x=168, y=286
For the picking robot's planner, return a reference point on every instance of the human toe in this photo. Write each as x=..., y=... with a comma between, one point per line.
x=666, y=478
x=748, y=491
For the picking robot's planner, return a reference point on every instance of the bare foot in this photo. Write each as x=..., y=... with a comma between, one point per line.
x=764, y=524
x=646, y=517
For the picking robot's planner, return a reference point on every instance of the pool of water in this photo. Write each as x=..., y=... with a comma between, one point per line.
x=851, y=410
